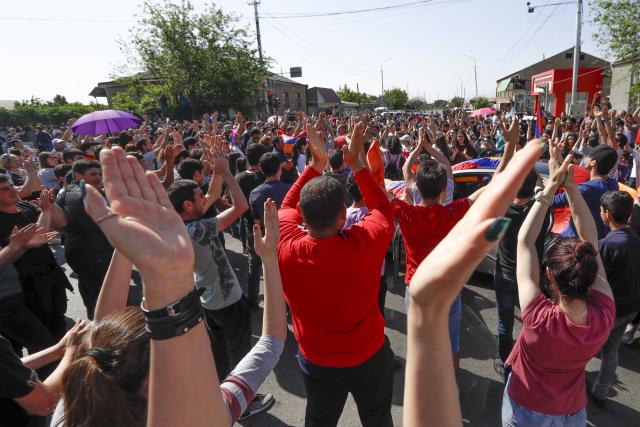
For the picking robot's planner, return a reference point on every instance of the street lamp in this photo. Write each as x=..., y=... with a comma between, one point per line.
x=475, y=70
x=382, y=78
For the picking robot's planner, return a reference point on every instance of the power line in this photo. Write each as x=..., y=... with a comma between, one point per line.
x=351, y=12
x=533, y=22
x=89, y=21
x=531, y=37
x=298, y=38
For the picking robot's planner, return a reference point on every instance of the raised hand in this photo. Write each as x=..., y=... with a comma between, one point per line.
x=267, y=246
x=317, y=147
x=20, y=237
x=45, y=201
x=177, y=137
x=219, y=162
x=352, y=151
x=513, y=134
x=143, y=224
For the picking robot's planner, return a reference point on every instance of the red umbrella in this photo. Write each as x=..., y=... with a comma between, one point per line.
x=483, y=112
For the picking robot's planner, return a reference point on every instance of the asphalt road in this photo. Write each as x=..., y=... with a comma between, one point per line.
x=481, y=387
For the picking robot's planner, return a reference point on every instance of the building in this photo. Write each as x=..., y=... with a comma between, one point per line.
x=514, y=90
x=110, y=89
x=621, y=81
x=287, y=93
x=322, y=99
x=556, y=86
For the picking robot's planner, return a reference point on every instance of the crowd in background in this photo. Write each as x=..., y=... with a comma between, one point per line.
x=307, y=198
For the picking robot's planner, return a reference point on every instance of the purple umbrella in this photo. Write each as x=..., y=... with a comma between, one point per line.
x=104, y=121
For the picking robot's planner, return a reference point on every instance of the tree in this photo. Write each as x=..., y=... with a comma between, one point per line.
x=202, y=55
x=456, y=102
x=480, y=102
x=618, y=22
x=59, y=100
x=348, y=95
x=395, y=98
x=439, y=104
x=416, y=104
x=139, y=98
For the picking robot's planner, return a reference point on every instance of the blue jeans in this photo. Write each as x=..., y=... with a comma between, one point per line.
x=455, y=320
x=515, y=415
x=506, y=297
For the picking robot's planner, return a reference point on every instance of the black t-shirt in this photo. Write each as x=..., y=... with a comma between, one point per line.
x=247, y=181
x=507, y=248
x=81, y=233
x=33, y=259
x=620, y=252
x=16, y=380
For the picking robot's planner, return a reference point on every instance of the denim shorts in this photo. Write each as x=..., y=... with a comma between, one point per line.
x=455, y=320
x=515, y=415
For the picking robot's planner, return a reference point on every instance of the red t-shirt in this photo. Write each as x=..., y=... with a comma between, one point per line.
x=424, y=228
x=331, y=285
x=550, y=356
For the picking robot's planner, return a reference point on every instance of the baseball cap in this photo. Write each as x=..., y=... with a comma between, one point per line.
x=405, y=138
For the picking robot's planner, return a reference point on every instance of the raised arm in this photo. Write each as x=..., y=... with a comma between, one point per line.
x=142, y=224
x=274, y=318
x=510, y=137
x=528, y=267
x=115, y=287
x=437, y=282
x=587, y=231
x=239, y=204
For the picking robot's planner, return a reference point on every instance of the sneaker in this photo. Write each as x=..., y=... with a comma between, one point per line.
x=627, y=337
x=260, y=403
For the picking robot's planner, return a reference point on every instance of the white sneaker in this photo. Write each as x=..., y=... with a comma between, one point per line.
x=627, y=337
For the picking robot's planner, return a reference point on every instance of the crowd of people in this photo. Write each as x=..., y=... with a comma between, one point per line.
x=307, y=197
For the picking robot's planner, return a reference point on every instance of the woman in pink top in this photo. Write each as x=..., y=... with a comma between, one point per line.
x=547, y=384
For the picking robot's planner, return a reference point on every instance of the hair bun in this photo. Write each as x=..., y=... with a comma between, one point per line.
x=584, y=250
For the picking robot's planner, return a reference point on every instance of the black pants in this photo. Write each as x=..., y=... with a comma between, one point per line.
x=255, y=268
x=370, y=383
x=91, y=269
x=230, y=335
x=45, y=296
x=21, y=326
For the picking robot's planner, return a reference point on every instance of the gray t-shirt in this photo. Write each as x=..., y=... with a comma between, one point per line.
x=213, y=272
x=9, y=281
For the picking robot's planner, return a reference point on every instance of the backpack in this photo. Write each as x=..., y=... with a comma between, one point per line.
x=392, y=169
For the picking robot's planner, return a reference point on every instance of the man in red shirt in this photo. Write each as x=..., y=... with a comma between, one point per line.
x=331, y=280
x=424, y=225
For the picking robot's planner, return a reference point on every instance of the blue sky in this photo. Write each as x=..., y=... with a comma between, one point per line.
x=67, y=46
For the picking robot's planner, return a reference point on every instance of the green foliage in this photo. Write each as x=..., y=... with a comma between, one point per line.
x=480, y=102
x=395, y=98
x=348, y=95
x=618, y=23
x=439, y=104
x=456, y=102
x=140, y=98
x=36, y=112
x=200, y=54
x=416, y=104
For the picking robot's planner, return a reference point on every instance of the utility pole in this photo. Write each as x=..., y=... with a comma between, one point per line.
x=382, y=79
x=475, y=71
x=576, y=60
x=576, y=49
x=255, y=4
